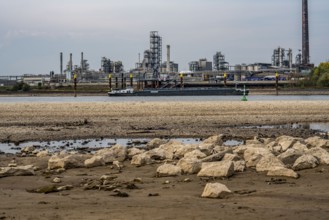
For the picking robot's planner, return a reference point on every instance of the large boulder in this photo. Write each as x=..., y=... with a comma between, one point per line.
x=252, y=155
x=317, y=142
x=305, y=162
x=215, y=190
x=301, y=147
x=141, y=159
x=17, y=171
x=67, y=161
x=189, y=165
x=217, y=169
x=268, y=162
x=321, y=154
x=174, y=149
x=282, y=172
x=156, y=142
x=134, y=151
x=116, y=152
x=286, y=142
x=290, y=156
x=168, y=170
x=95, y=161
x=208, y=144
x=197, y=154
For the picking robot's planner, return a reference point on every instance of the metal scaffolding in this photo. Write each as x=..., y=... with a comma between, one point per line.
x=155, y=53
x=219, y=62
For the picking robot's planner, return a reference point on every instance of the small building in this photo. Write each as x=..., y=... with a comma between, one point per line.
x=201, y=65
x=35, y=80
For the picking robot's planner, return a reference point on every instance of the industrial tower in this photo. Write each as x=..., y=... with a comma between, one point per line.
x=306, y=40
x=155, y=53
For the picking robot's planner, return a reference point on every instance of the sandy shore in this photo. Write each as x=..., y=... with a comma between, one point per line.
x=255, y=195
x=58, y=121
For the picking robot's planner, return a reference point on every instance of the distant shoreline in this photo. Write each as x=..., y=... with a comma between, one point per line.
x=294, y=91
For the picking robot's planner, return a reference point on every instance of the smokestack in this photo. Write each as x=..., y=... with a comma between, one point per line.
x=81, y=62
x=71, y=62
x=306, y=40
x=168, y=58
x=61, y=63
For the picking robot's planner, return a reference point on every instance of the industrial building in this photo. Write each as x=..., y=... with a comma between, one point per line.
x=109, y=66
x=219, y=62
x=201, y=65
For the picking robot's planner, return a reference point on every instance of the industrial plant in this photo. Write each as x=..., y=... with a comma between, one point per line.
x=152, y=67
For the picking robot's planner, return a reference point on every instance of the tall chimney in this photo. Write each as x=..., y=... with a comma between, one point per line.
x=306, y=40
x=61, y=63
x=168, y=58
x=71, y=62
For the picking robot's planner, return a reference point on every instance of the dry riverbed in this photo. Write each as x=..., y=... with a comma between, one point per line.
x=254, y=194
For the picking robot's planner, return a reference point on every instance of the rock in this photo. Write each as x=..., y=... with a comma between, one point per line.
x=107, y=177
x=44, y=153
x=57, y=180
x=160, y=154
x=28, y=150
x=141, y=159
x=305, y=162
x=231, y=157
x=239, y=150
x=155, y=143
x=217, y=169
x=290, y=156
x=17, y=171
x=256, y=140
x=66, y=162
x=168, y=170
x=300, y=147
x=95, y=161
x=268, y=162
x=274, y=148
x=239, y=166
x=252, y=155
x=117, y=152
x=134, y=151
x=281, y=171
x=319, y=153
x=215, y=190
x=189, y=165
x=214, y=140
x=175, y=149
x=286, y=142
x=317, y=142
x=195, y=154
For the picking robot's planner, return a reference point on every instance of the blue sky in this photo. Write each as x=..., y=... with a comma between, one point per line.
x=34, y=32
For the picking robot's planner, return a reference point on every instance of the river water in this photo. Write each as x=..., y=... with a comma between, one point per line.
x=30, y=99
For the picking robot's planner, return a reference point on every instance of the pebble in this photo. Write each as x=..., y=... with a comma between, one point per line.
x=57, y=180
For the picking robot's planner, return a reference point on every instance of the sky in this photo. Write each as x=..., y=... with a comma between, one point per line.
x=34, y=32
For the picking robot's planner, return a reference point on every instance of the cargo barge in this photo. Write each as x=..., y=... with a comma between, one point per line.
x=204, y=91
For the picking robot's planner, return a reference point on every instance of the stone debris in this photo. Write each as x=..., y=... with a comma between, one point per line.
x=217, y=169
x=305, y=162
x=168, y=170
x=216, y=191
x=17, y=171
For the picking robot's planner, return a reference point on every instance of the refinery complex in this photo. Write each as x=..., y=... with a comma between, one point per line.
x=152, y=65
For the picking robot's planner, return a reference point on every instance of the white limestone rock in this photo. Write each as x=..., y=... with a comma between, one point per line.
x=217, y=169
x=321, y=154
x=44, y=153
x=189, y=165
x=197, y=154
x=282, y=172
x=216, y=191
x=17, y=171
x=67, y=162
x=168, y=170
x=268, y=162
x=95, y=161
x=317, y=142
x=252, y=155
x=305, y=162
x=134, y=151
x=155, y=143
x=116, y=152
x=290, y=156
x=141, y=159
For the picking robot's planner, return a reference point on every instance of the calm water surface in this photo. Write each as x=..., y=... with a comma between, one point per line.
x=162, y=98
